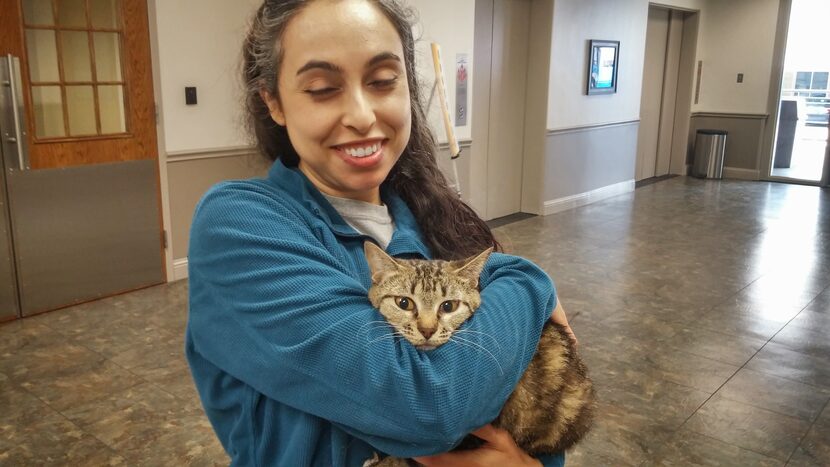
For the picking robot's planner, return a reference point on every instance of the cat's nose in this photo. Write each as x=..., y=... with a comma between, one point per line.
x=427, y=332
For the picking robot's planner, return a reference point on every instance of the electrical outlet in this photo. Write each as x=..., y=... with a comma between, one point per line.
x=740, y=77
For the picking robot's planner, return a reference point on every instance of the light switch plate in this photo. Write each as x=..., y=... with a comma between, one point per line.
x=190, y=95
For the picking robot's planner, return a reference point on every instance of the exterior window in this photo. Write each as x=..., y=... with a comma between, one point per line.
x=802, y=80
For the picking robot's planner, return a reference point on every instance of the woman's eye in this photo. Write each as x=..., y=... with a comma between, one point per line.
x=384, y=83
x=320, y=92
x=449, y=306
x=404, y=303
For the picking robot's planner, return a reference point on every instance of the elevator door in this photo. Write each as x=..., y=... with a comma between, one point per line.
x=81, y=187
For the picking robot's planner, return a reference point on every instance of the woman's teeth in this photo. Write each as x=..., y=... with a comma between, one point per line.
x=364, y=151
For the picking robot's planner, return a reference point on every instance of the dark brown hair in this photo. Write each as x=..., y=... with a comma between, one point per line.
x=451, y=229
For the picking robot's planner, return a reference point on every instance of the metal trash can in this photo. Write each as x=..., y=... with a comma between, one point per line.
x=710, y=149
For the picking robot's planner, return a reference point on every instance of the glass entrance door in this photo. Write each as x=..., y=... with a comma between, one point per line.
x=804, y=104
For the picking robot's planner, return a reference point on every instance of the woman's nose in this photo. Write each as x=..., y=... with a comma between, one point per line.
x=358, y=113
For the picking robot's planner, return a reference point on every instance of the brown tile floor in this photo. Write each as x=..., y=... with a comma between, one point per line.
x=702, y=308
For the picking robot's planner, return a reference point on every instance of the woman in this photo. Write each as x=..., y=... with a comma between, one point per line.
x=277, y=336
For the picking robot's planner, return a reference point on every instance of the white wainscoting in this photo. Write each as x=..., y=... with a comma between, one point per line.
x=741, y=174
x=581, y=199
x=179, y=269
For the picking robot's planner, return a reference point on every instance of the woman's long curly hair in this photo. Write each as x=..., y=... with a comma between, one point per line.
x=451, y=229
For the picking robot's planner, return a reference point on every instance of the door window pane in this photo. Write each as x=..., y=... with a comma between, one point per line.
x=43, y=55
x=75, y=56
x=77, y=84
x=80, y=105
x=38, y=12
x=72, y=13
x=48, y=111
x=104, y=13
x=111, y=105
x=107, y=56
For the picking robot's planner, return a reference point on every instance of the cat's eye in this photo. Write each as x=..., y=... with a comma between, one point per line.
x=404, y=303
x=449, y=306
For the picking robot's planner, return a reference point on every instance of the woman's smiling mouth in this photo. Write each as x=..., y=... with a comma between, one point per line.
x=362, y=154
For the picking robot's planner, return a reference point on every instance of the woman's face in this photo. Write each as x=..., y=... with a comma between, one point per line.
x=343, y=96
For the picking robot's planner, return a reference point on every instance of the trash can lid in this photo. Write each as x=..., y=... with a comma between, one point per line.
x=712, y=132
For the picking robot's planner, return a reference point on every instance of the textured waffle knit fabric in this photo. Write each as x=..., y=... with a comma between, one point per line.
x=288, y=357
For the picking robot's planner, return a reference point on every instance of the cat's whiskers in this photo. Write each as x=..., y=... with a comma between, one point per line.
x=469, y=331
x=385, y=337
x=378, y=324
x=392, y=333
x=465, y=342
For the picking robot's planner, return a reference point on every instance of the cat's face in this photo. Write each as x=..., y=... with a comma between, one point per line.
x=425, y=301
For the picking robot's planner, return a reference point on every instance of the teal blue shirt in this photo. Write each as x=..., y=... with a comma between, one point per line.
x=280, y=341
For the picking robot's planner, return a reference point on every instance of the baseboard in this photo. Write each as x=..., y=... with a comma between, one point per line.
x=575, y=201
x=741, y=174
x=179, y=269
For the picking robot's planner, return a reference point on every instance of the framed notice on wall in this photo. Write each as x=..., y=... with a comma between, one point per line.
x=603, y=64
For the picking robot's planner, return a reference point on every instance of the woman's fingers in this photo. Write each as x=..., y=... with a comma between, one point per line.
x=495, y=436
x=558, y=317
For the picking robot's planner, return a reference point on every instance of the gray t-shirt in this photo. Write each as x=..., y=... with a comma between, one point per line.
x=367, y=218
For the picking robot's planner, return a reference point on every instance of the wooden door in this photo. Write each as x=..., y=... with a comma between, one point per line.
x=85, y=202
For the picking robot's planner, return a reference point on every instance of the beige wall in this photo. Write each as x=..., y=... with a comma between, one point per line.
x=743, y=143
x=575, y=22
x=736, y=36
x=190, y=179
x=199, y=45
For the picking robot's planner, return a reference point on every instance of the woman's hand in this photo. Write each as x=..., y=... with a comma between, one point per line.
x=559, y=317
x=499, y=450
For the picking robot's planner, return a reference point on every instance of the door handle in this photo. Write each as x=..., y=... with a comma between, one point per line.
x=18, y=140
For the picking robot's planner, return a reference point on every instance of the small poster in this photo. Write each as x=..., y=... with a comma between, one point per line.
x=461, y=78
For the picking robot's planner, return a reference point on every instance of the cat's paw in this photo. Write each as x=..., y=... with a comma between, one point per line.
x=374, y=461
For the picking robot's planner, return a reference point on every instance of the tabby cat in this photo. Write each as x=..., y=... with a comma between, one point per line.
x=426, y=301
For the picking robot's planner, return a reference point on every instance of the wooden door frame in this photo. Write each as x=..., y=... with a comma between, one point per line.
x=152, y=15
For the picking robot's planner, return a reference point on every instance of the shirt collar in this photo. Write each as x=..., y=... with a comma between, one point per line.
x=406, y=239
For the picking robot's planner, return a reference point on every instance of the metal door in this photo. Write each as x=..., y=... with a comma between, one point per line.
x=79, y=151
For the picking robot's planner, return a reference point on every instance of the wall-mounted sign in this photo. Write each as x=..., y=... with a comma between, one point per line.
x=462, y=73
x=603, y=61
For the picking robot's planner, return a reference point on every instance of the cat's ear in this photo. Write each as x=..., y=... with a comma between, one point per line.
x=380, y=264
x=470, y=268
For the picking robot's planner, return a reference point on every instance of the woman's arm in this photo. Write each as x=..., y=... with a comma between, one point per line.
x=273, y=308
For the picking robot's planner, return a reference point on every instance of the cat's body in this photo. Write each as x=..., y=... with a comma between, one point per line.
x=550, y=409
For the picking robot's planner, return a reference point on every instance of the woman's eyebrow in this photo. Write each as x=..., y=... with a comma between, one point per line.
x=319, y=64
x=382, y=57
x=328, y=66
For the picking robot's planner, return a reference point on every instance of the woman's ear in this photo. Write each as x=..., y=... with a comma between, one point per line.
x=274, y=107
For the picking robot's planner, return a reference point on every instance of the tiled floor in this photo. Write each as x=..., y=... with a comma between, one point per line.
x=702, y=309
